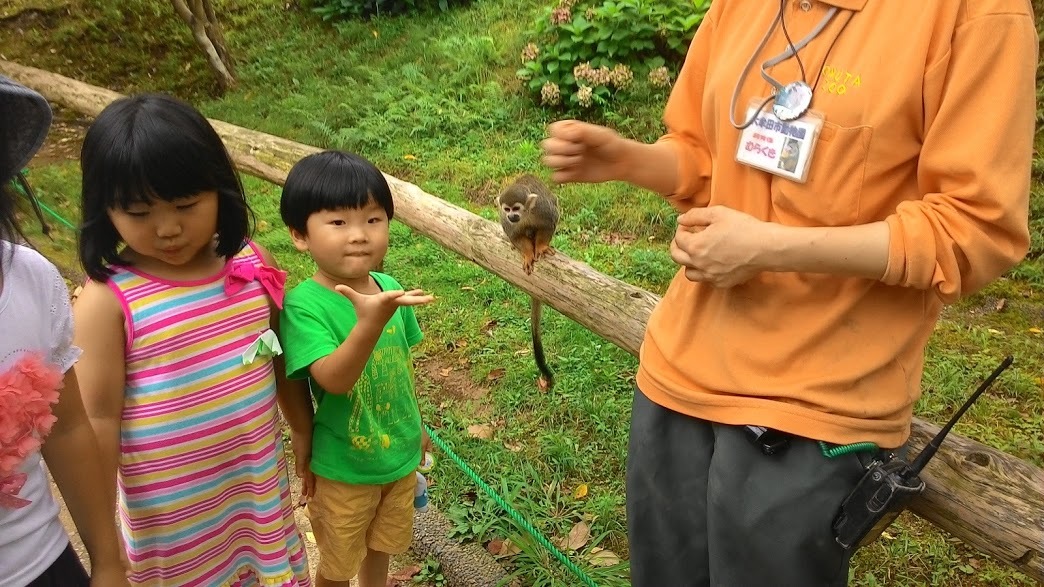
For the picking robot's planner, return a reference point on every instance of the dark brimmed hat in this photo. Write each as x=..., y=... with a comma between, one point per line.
x=25, y=117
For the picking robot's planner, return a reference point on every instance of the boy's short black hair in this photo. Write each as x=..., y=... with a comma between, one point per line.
x=331, y=180
x=154, y=146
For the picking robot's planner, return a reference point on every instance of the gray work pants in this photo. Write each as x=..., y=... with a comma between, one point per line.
x=705, y=507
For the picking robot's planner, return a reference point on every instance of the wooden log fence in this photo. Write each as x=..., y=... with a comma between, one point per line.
x=982, y=496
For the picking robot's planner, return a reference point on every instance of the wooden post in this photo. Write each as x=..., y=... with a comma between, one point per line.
x=986, y=498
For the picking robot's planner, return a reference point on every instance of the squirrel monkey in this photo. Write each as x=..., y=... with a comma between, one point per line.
x=529, y=216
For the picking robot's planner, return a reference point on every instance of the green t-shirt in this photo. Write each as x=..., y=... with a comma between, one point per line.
x=372, y=435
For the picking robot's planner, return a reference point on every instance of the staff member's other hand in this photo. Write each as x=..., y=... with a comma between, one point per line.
x=720, y=246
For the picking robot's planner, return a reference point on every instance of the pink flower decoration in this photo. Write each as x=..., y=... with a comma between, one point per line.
x=27, y=391
x=9, y=488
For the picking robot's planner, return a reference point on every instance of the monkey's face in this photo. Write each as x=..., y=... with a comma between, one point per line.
x=515, y=204
x=512, y=212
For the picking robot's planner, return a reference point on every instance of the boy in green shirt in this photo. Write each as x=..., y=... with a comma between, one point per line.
x=349, y=329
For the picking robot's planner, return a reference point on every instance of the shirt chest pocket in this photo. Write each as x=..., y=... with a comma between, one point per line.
x=831, y=195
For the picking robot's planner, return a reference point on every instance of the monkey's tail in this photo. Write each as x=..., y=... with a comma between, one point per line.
x=538, y=345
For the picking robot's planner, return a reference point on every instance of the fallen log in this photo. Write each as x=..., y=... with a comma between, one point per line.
x=982, y=496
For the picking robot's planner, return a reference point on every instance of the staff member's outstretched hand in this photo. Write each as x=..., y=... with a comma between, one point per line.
x=582, y=152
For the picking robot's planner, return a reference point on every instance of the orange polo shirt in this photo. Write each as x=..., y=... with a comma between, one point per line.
x=929, y=109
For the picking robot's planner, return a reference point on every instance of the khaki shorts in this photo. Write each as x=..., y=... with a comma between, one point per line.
x=347, y=519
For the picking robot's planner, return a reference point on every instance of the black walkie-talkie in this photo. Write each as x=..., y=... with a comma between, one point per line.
x=889, y=483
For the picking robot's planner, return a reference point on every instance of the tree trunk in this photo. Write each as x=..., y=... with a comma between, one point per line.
x=982, y=496
x=217, y=36
x=208, y=36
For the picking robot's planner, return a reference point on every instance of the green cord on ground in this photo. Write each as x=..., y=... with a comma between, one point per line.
x=44, y=207
x=55, y=214
x=517, y=517
x=845, y=449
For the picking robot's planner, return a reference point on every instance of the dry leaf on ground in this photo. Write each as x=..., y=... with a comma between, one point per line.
x=481, y=431
x=600, y=557
x=495, y=546
x=405, y=574
x=509, y=548
x=577, y=537
x=513, y=446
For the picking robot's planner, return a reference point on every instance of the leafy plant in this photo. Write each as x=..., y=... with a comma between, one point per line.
x=431, y=573
x=331, y=9
x=582, y=53
x=473, y=520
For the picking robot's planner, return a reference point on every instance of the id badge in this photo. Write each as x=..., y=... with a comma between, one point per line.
x=780, y=148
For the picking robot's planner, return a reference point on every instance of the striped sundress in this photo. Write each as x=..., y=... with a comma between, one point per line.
x=204, y=494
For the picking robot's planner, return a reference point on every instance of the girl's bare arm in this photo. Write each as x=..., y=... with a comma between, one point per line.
x=71, y=453
x=101, y=372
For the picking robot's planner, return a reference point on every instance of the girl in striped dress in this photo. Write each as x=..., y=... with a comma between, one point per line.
x=178, y=369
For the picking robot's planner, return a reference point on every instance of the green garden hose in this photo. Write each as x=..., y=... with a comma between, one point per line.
x=517, y=517
x=845, y=449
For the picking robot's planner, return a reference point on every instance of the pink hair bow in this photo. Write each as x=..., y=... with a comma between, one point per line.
x=9, y=488
x=270, y=278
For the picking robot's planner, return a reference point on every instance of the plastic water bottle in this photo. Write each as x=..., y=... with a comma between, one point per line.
x=420, y=494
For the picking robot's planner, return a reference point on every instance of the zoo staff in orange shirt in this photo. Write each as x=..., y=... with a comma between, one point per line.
x=808, y=283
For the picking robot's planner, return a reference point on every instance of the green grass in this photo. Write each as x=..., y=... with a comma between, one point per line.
x=433, y=100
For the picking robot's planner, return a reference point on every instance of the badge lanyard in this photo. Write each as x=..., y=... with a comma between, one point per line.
x=791, y=100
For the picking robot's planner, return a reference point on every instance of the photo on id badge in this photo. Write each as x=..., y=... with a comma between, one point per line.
x=788, y=157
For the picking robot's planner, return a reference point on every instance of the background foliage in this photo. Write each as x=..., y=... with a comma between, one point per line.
x=330, y=9
x=583, y=54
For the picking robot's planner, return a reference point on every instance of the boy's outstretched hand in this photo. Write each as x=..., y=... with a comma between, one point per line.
x=340, y=370
x=379, y=307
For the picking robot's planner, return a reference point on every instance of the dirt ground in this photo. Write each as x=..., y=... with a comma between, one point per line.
x=64, y=138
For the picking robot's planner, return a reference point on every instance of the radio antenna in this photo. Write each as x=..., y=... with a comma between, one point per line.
x=933, y=446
